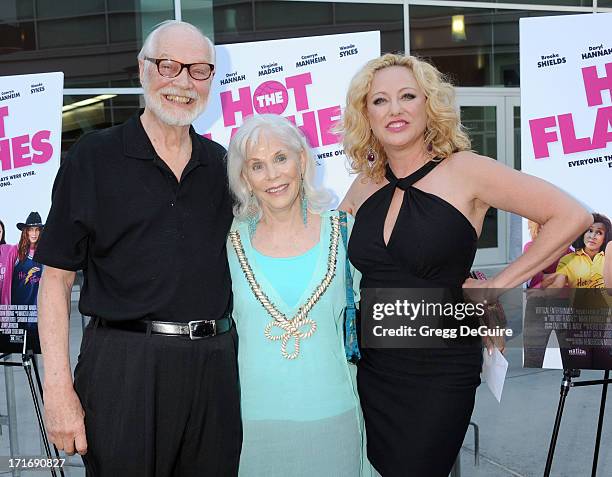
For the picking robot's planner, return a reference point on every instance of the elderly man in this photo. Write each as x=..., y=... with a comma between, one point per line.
x=143, y=209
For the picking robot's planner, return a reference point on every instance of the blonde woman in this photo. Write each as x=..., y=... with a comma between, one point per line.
x=419, y=203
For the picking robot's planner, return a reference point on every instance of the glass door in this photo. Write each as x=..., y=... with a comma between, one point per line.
x=484, y=117
x=492, y=117
x=513, y=153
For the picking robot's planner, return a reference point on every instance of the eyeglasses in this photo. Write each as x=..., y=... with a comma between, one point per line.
x=171, y=69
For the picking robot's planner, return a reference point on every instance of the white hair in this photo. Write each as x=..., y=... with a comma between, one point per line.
x=318, y=199
x=153, y=102
x=150, y=42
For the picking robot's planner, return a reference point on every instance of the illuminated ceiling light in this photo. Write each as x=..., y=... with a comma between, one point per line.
x=458, y=27
x=87, y=102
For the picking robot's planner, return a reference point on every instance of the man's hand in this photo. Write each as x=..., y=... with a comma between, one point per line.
x=65, y=420
x=64, y=416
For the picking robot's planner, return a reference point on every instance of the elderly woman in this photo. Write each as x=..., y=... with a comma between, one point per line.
x=419, y=204
x=287, y=259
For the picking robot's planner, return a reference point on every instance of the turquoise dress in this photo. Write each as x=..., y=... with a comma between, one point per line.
x=300, y=410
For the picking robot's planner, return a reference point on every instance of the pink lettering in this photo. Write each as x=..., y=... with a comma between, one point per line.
x=298, y=84
x=270, y=97
x=540, y=137
x=569, y=140
x=20, y=151
x=41, y=144
x=594, y=85
x=5, y=155
x=230, y=107
x=308, y=127
x=3, y=114
x=327, y=118
x=601, y=134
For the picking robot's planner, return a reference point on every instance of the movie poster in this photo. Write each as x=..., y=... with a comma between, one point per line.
x=566, y=129
x=30, y=143
x=303, y=79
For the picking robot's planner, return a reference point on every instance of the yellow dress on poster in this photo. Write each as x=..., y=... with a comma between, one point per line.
x=582, y=271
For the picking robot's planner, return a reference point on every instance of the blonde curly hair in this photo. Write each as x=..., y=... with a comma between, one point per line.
x=444, y=133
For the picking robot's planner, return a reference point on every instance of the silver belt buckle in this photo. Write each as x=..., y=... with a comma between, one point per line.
x=199, y=329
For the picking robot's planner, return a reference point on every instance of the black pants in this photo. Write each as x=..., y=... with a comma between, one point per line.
x=159, y=406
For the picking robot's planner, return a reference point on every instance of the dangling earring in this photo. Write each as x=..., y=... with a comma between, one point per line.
x=371, y=155
x=304, y=202
x=252, y=213
x=427, y=138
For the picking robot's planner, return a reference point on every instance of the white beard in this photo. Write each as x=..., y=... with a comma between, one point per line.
x=171, y=117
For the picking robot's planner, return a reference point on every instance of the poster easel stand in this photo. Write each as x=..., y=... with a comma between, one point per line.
x=28, y=363
x=566, y=384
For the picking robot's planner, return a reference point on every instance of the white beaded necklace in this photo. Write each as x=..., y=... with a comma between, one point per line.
x=290, y=327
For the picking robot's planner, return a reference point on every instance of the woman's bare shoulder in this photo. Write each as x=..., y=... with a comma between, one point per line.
x=362, y=187
x=468, y=160
x=474, y=171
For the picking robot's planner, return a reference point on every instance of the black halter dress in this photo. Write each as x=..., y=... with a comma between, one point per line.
x=416, y=403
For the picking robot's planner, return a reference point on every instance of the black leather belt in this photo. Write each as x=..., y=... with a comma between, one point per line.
x=195, y=330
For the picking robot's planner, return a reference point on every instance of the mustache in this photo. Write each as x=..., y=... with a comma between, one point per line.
x=171, y=91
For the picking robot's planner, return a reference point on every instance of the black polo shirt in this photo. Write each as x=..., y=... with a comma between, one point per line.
x=149, y=245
